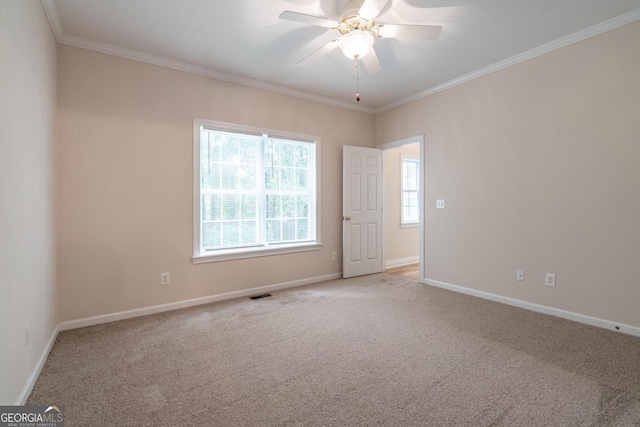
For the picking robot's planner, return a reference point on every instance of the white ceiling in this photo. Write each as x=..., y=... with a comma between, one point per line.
x=245, y=41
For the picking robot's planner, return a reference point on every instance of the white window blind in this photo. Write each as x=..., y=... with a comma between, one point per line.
x=256, y=191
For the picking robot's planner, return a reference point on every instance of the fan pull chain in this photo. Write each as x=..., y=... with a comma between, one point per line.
x=357, y=83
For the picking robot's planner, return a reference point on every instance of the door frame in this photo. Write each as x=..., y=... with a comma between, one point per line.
x=418, y=139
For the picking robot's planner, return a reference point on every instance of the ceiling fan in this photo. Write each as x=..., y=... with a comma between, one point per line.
x=357, y=30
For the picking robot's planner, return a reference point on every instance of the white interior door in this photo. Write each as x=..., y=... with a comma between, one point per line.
x=362, y=211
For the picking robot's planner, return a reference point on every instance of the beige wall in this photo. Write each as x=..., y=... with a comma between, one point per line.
x=27, y=123
x=399, y=243
x=125, y=182
x=540, y=167
x=538, y=164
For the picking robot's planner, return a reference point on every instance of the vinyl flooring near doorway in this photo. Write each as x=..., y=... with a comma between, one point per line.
x=411, y=271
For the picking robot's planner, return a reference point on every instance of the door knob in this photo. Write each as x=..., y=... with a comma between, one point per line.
x=346, y=218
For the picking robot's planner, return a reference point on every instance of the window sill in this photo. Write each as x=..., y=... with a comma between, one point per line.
x=410, y=225
x=254, y=252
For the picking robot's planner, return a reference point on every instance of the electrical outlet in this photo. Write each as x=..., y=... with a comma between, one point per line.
x=550, y=280
x=440, y=204
x=334, y=255
x=26, y=335
x=520, y=275
x=165, y=279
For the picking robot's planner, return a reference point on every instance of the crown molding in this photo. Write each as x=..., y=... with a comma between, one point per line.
x=576, y=37
x=53, y=18
x=80, y=42
x=62, y=38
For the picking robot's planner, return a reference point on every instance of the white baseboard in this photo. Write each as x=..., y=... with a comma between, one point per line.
x=35, y=373
x=401, y=262
x=112, y=317
x=593, y=321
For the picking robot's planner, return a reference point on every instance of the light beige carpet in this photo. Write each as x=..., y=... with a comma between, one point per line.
x=375, y=350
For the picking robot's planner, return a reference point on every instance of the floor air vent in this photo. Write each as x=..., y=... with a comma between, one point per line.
x=260, y=296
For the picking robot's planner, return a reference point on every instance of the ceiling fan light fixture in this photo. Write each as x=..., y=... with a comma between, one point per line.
x=356, y=44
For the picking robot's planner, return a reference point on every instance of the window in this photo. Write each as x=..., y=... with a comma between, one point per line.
x=255, y=192
x=410, y=187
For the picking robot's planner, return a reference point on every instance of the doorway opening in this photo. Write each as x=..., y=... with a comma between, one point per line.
x=403, y=187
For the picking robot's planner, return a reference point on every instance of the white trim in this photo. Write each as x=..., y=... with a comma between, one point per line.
x=121, y=315
x=410, y=224
x=62, y=38
x=576, y=317
x=415, y=223
x=97, y=320
x=54, y=19
x=423, y=203
x=195, y=204
x=318, y=193
x=401, y=262
x=418, y=139
x=565, y=41
x=233, y=127
x=255, y=252
x=35, y=373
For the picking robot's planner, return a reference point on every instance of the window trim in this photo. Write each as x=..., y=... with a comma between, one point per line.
x=253, y=251
x=403, y=223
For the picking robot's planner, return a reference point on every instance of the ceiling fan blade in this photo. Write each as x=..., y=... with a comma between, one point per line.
x=309, y=19
x=370, y=9
x=371, y=62
x=429, y=32
x=321, y=51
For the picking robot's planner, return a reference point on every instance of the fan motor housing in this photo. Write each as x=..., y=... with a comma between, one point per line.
x=356, y=22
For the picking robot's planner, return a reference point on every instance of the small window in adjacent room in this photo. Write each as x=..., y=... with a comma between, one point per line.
x=255, y=192
x=410, y=210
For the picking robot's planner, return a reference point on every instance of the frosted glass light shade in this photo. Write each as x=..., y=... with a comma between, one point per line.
x=356, y=44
